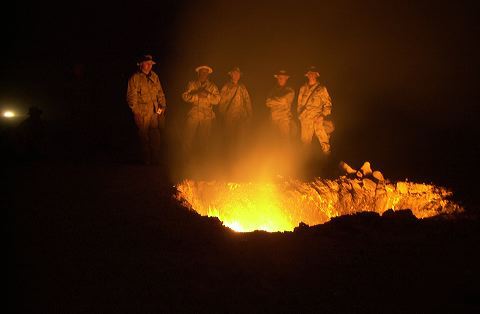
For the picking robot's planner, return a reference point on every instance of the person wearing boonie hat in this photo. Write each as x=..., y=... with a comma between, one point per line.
x=314, y=106
x=147, y=59
x=146, y=99
x=279, y=100
x=201, y=94
x=204, y=67
x=235, y=107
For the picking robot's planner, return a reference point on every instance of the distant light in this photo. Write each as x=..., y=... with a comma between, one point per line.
x=8, y=114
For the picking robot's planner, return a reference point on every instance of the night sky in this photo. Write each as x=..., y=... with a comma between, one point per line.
x=402, y=75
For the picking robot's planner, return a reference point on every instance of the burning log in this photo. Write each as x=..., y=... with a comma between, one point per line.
x=283, y=203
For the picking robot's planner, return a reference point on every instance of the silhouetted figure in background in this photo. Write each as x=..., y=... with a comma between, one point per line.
x=30, y=134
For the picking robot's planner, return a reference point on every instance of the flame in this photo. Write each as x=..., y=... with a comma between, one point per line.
x=246, y=207
x=280, y=205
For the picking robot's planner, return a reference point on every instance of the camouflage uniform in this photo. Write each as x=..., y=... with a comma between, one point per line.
x=145, y=96
x=314, y=104
x=235, y=107
x=279, y=101
x=201, y=115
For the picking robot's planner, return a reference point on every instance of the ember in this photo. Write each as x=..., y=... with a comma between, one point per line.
x=281, y=204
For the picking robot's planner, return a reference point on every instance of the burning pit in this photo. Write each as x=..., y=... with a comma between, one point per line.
x=281, y=204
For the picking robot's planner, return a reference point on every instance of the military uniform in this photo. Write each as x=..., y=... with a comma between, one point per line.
x=145, y=97
x=235, y=107
x=280, y=101
x=201, y=115
x=314, y=105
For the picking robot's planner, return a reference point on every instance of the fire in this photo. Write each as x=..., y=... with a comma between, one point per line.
x=281, y=204
x=241, y=207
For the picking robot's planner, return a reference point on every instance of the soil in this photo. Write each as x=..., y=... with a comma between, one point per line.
x=107, y=237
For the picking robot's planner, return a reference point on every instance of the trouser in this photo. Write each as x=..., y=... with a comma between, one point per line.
x=321, y=128
x=235, y=129
x=285, y=127
x=200, y=128
x=149, y=131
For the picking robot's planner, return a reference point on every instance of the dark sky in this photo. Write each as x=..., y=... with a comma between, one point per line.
x=405, y=64
x=364, y=48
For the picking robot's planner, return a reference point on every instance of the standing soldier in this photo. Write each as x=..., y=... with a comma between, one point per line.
x=235, y=107
x=146, y=99
x=314, y=105
x=280, y=100
x=202, y=95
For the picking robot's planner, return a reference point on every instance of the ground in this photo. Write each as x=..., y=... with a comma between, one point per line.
x=106, y=237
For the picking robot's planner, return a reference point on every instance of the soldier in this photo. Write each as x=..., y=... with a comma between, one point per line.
x=235, y=106
x=314, y=105
x=202, y=94
x=146, y=99
x=280, y=100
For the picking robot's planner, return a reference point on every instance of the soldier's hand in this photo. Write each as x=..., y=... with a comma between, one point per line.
x=138, y=120
x=203, y=94
x=327, y=111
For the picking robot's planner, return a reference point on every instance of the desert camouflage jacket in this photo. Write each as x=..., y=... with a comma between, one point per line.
x=202, y=106
x=145, y=93
x=191, y=94
x=313, y=101
x=235, y=101
x=280, y=100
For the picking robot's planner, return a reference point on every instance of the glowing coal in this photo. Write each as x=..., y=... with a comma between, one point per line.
x=281, y=204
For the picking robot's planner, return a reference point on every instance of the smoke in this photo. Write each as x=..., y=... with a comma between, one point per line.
x=260, y=154
x=386, y=67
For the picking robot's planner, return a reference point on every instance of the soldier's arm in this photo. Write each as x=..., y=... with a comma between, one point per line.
x=161, y=97
x=214, y=96
x=223, y=98
x=326, y=101
x=190, y=94
x=132, y=90
x=268, y=103
x=275, y=101
x=271, y=100
x=248, y=101
x=289, y=97
x=223, y=95
x=300, y=100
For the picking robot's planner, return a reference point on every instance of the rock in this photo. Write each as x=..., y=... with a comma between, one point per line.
x=366, y=169
x=369, y=185
x=378, y=175
x=402, y=187
x=301, y=227
x=401, y=215
x=345, y=167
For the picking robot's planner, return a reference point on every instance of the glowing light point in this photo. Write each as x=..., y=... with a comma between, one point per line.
x=8, y=114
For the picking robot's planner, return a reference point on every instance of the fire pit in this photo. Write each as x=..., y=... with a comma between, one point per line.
x=282, y=203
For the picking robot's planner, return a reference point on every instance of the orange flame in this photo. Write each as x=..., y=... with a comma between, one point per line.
x=280, y=205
